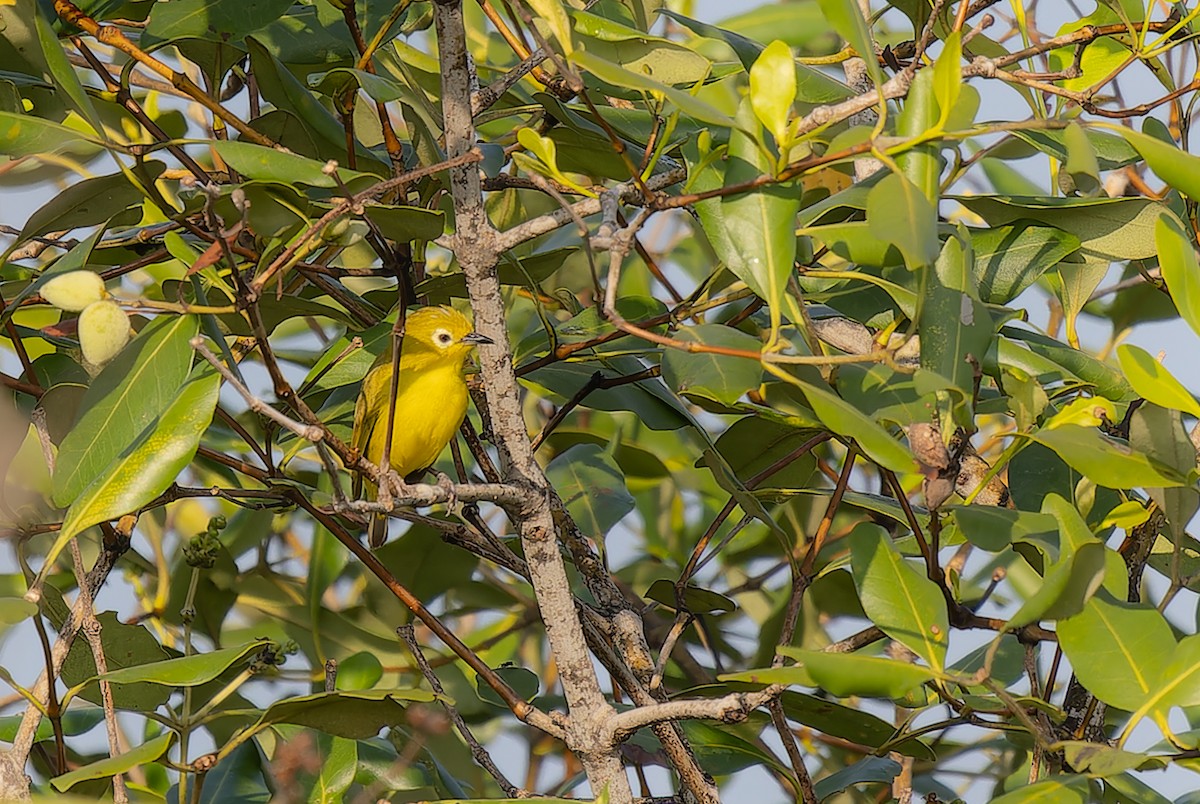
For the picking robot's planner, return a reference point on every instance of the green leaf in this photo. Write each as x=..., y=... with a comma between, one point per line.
x=74, y=260
x=337, y=772
x=426, y=565
x=360, y=671
x=87, y=203
x=759, y=225
x=618, y=76
x=947, y=76
x=552, y=14
x=281, y=88
x=25, y=135
x=591, y=485
x=843, y=418
x=270, y=164
x=752, y=444
x=1075, y=364
x=852, y=724
x=1111, y=151
x=149, y=465
x=1173, y=165
x=854, y=242
x=405, y=223
x=62, y=73
x=813, y=85
x=1099, y=761
x=1179, y=684
x=871, y=770
x=665, y=61
x=697, y=600
x=848, y=674
x=353, y=715
x=725, y=378
x=1081, y=164
x=905, y=604
x=993, y=529
x=1180, y=270
x=523, y=681
x=123, y=400
x=1118, y=650
x=1066, y=587
x=125, y=645
x=16, y=609
x=210, y=20
x=186, y=671
x=1108, y=228
x=1159, y=433
x=1077, y=281
x=241, y=776
x=746, y=49
x=773, y=89
x=1151, y=380
x=920, y=163
x=900, y=213
x=846, y=18
x=1056, y=790
x=143, y=754
x=955, y=326
x=1106, y=462
x=722, y=751
x=801, y=25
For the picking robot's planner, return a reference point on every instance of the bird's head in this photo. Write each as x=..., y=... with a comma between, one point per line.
x=440, y=333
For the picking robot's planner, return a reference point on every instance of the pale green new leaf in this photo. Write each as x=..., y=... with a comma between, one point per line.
x=1180, y=269
x=1151, y=380
x=847, y=19
x=773, y=89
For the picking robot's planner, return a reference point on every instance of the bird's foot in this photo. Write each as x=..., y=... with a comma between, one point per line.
x=447, y=485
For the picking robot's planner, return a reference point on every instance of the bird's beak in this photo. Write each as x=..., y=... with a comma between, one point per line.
x=476, y=338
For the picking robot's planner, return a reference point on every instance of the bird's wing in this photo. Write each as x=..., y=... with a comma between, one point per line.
x=366, y=412
x=362, y=428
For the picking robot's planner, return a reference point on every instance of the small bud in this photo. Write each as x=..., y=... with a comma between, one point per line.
x=103, y=331
x=202, y=550
x=74, y=290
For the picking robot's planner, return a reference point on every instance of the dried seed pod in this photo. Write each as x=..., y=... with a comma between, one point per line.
x=926, y=443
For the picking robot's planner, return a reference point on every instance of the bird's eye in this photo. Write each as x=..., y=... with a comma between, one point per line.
x=443, y=337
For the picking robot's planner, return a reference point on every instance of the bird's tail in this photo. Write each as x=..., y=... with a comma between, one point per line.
x=377, y=530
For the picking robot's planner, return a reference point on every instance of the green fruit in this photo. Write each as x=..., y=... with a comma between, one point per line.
x=103, y=331
x=74, y=290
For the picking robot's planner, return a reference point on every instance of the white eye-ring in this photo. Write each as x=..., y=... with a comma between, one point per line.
x=443, y=337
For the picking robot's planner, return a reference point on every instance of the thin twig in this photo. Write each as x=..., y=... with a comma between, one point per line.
x=478, y=752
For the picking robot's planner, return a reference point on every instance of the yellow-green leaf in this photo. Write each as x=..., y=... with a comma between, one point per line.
x=1151, y=380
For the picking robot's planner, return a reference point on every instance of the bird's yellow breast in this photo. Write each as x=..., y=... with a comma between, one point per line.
x=430, y=406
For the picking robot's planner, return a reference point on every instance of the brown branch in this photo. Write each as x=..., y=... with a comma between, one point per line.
x=113, y=37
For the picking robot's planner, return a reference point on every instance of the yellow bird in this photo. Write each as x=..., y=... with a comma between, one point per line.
x=431, y=399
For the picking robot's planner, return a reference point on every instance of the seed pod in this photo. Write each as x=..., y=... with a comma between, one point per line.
x=103, y=331
x=74, y=290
